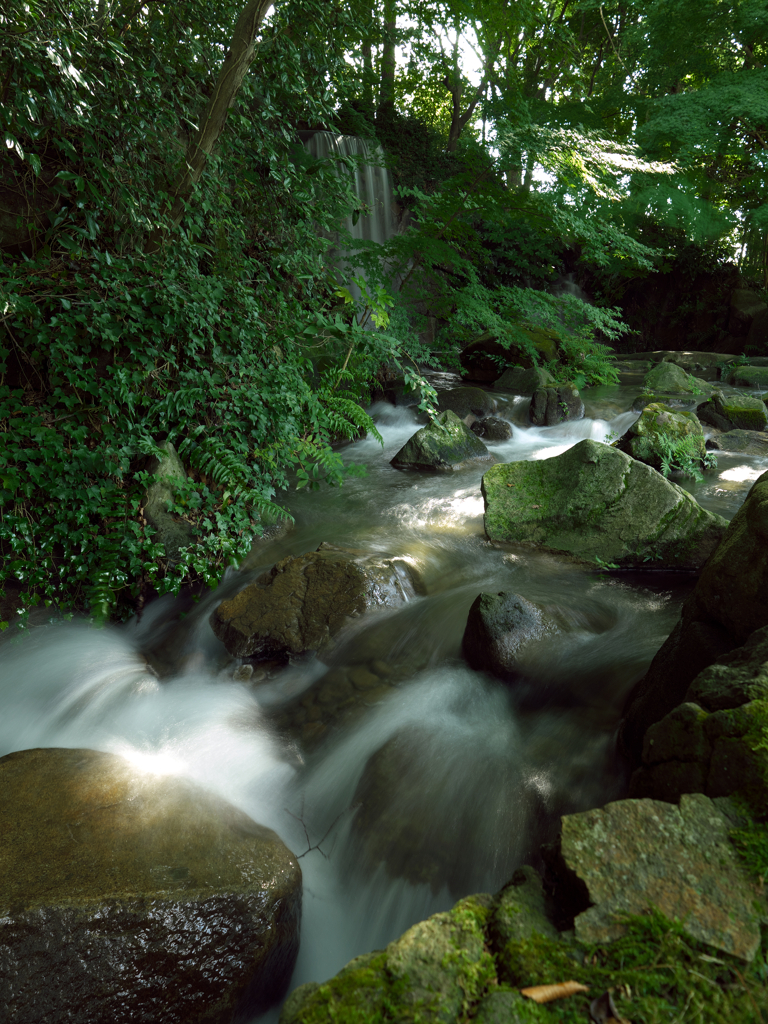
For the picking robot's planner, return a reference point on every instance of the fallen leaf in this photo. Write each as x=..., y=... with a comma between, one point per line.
x=546, y=993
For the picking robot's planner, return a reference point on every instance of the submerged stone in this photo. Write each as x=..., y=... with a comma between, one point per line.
x=301, y=603
x=634, y=855
x=131, y=896
x=594, y=502
x=445, y=444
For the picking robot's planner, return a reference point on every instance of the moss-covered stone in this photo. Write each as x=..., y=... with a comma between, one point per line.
x=302, y=603
x=749, y=377
x=668, y=378
x=520, y=910
x=659, y=428
x=556, y=403
x=734, y=412
x=521, y=381
x=596, y=502
x=445, y=444
x=468, y=403
x=435, y=972
x=131, y=896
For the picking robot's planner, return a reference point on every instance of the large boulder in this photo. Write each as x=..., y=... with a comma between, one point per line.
x=556, y=404
x=521, y=381
x=302, y=603
x=749, y=377
x=670, y=379
x=635, y=855
x=469, y=404
x=499, y=627
x=734, y=412
x=131, y=896
x=728, y=603
x=444, y=445
x=597, y=504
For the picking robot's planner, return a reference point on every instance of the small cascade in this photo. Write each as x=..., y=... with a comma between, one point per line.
x=372, y=187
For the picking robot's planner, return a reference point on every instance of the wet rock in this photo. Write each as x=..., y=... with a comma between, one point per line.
x=126, y=895
x=469, y=404
x=746, y=442
x=658, y=421
x=736, y=678
x=594, y=502
x=524, y=382
x=302, y=603
x=670, y=379
x=499, y=627
x=445, y=444
x=521, y=910
x=637, y=854
x=492, y=428
x=749, y=377
x=429, y=974
x=734, y=412
x=169, y=530
x=553, y=405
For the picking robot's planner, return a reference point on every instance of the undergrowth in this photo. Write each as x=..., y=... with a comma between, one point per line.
x=686, y=455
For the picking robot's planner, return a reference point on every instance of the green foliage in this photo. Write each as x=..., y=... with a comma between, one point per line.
x=685, y=455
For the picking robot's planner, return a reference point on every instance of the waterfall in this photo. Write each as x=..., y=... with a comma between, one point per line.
x=372, y=186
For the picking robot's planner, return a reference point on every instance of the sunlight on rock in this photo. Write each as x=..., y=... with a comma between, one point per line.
x=157, y=762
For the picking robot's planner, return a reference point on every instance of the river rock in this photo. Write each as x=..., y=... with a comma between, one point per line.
x=131, y=896
x=444, y=445
x=302, y=603
x=736, y=678
x=521, y=910
x=734, y=412
x=670, y=379
x=492, y=428
x=749, y=377
x=499, y=627
x=524, y=382
x=745, y=442
x=469, y=404
x=659, y=421
x=169, y=530
x=594, y=502
x=556, y=404
x=429, y=974
x=634, y=855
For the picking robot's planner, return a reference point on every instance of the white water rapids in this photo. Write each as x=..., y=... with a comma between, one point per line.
x=475, y=778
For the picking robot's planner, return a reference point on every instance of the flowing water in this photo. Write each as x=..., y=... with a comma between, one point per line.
x=439, y=781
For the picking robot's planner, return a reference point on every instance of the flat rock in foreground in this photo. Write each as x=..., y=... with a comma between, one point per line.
x=131, y=896
x=594, y=502
x=634, y=855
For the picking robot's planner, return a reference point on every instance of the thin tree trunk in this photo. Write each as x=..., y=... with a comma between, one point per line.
x=233, y=70
x=387, y=89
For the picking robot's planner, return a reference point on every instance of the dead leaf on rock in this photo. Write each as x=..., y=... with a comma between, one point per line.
x=603, y=1010
x=546, y=993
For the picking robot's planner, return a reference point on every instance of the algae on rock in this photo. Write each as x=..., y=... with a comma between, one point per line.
x=445, y=444
x=594, y=502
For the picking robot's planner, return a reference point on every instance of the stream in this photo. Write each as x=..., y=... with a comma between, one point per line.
x=442, y=781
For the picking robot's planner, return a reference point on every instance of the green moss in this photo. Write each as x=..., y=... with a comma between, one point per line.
x=656, y=972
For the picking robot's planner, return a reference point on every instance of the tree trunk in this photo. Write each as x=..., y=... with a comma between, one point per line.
x=387, y=90
x=233, y=70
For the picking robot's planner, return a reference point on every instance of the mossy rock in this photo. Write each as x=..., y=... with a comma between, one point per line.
x=434, y=972
x=749, y=377
x=746, y=442
x=659, y=420
x=594, y=502
x=521, y=381
x=467, y=403
x=670, y=379
x=555, y=404
x=734, y=412
x=444, y=445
